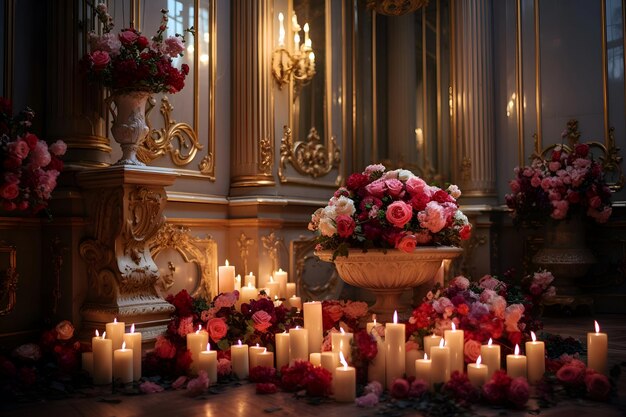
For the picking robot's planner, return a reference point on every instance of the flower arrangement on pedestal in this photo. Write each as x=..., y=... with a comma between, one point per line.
x=389, y=209
x=30, y=167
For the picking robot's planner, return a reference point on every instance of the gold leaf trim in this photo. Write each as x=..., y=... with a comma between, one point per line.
x=266, y=156
x=309, y=158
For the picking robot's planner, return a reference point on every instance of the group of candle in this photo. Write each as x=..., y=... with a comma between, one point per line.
x=115, y=355
x=276, y=287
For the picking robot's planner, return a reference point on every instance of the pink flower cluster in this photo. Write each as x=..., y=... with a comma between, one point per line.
x=565, y=181
x=574, y=375
x=390, y=209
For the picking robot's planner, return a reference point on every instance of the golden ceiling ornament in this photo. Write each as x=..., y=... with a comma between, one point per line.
x=310, y=158
x=180, y=140
x=395, y=7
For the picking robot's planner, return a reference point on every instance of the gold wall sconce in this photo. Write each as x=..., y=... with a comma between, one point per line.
x=299, y=64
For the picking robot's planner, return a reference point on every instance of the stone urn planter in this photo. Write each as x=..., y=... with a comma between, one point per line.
x=129, y=126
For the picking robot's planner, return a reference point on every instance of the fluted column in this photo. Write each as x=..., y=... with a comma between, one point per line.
x=473, y=91
x=252, y=148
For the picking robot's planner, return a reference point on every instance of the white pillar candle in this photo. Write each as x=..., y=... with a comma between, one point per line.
x=265, y=359
x=133, y=341
x=298, y=344
x=345, y=382
x=597, y=347
x=477, y=373
x=226, y=278
x=430, y=341
x=196, y=341
x=440, y=365
x=516, y=364
x=238, y=283
x=342, y=341
x=123, y=365
x=291, y=290
x=313, y=323
x=249, y=292
x=410, y=358
x=272, y=287
x=253, y=351
x=295, y=302
x=250, y=280
x=115, y=332
x=87, y=362
x=208, y=363
x=377, y=367
x=371, y=324
x=536, y=357
x=490, y=354
x=239, y=360
x=102, y=359
x=395, y=356
x=282, y=349
x=315, y=359
x=455, y=341
x=281, y=277
x=329, y=361
x=423, y=369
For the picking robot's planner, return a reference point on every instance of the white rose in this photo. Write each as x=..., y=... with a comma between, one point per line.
x=391, y=174
x=327, y=227
x=329, y=212
x=344, y=205
x=405, y=174
x=460, y=218
x=454, y=191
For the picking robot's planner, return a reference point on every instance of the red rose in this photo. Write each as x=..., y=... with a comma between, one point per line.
x=9, y=191
x=400, y=388
x=262, y=374
x=183, y=303
x=495, y=391
x=100, y=60
x=582, y=149
x=294, y=377
x=419, y=201
x=345, y=225
x=31, y=140
x=598, y=386
x=472, y=350
x=267, y=388
x=407, y=243
x=184, y=69
x=356, y=181
x=318, y=382
x=571, y=374
x=333, y=311
x=465, y=232
x=217, y=329
x=519, y=392
x=142, y=42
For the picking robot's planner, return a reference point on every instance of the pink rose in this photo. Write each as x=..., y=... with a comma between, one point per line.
x=376, y=188
x=416, y=185
x=65, y=330
x=519, y=391
x=560, y=208
x=367, y=400
x=9, y=191
x=374, y=387
x=471, y=350
x=207, y=315
x=512, y=315
x=355, y=309
x=370, y=169
x=399, y=213
x=498, y=305
x=432, y=217
x=100, y=60
x=407, y=243
x=227, y=299
x=150, y=387
x=418, y=388
x=491, y=283
x=19, y=148
x=224, y=367
x=173, y=46
x=28, y=352
x=598, y=386
x=217, y=329
x=262, y=320
x=164, y=348
x=108, y=42
x=198, y=385
x=460, y=282
x=58, y=148
x=179, y=382
x=395, y=188
x=570, y=374
x=40, y=157
x=128, y=37
x=399, y=388
x=345, y=225
x=423, y=237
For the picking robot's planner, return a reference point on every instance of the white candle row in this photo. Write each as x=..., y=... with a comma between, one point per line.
x=277, y=284
x=106, y=364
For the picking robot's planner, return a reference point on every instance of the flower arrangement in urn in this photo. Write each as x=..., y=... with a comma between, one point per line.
x=389, y=209
x=567, y=180
x=132, y=62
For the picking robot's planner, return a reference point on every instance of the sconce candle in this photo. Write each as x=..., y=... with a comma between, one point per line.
x=597, y=345
x=226, y=278
x=490, y=354
x=281, y=31
x=516, y=364
x=133, y=341
x=536, y=356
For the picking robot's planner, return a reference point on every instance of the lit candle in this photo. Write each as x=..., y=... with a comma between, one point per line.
x=477, y=373
x=315, y=359
x=296, y=41
x=345, y=381
x=295, y=302
x=115, y=332
x=226, y=278
x=133, y=341
x=377, y=367
x=312, y=57
x=238, y=283
x=87, y=362
x=196, y=343
x=102, y=359
x=239, y=360
x=265, y=358
x=123, y=364
x=253, y=351
x=306, y=33
x=430, y=341
x=273, y=287
x=516, y=364
x=208, y=363
x=281, y=277
x=423, y=369
x=536, y=356
x=456, y=343
x=250, y=280
x=440, y=365
x=291, y=290
x=342, y=341
x=281, y=31
x=371, y=324
x=329, y=361
x=249, y=292
x=491, y=357
x=282, y=349
x=298, y=344
x=395, y=352
x=411, y=356
x=277, y=302
x=597, y=345
x=313, y=323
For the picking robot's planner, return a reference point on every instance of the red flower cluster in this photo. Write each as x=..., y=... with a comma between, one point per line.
x=578, y=379
x=503, y=390
x=303, y=375
x=459, y=387
x=347, y=312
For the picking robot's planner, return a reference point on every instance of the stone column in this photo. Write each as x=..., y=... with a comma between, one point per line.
x=252, y=148
x=125, y=205
x=473, y=100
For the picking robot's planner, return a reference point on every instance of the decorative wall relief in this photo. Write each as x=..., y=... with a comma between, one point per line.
x=310, y=158
x=8, y=278
x=57, y=250
x=315, y=280
x=271, y=245
x=266, y=156
x=244, y=243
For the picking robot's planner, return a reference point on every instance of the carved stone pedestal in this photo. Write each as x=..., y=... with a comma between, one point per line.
x=125, y=205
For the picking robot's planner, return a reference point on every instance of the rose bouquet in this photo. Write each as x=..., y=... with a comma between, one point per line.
x=389, y=209
x=566, y=181
x=130, y=61
x=30, y=166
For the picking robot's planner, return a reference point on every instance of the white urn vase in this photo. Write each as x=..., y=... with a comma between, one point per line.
x=129, y=127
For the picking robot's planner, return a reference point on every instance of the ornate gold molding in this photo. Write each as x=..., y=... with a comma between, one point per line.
x=266, y=156
x=271, y=244
x=207, y=166
x=202, y=252
x=244, y=243
x=8, y=286
x=180, y=140
x=309, y=158
x=301, y=252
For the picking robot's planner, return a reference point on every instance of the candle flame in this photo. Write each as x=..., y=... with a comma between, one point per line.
x=208, y=346
x=516, y=349
x=123, y=345
x=306, y=27
x=238, y=277
x=374, y=321
x=478, y=360
x=342, y=359
x=104, y=335
x=250, y=285
x=115, y=320
x=97, y=333
x=199, y=328
x=425, y=356
x=264, y=349
x=280, y=270
x=132, y=328
x=395, y=316
x=442, y=343
x=275, y=298
x=285, y=332
x=293, y=296
x=342, y=331
x=297, y=327
x=490, y=342
x=597, y=326
x=453, y=327
x=257, y=345
x=271, y=278
x=250, y=274
x=227, y=262
x=532, y=335
x=239, y=342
